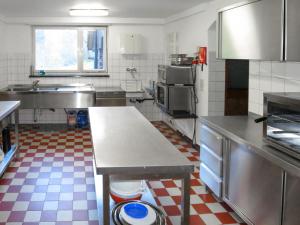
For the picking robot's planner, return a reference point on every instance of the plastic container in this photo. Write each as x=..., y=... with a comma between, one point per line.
x=82, y=119
x=137, y=213
x=72, y=118
x=6, y=141
x=125, y=190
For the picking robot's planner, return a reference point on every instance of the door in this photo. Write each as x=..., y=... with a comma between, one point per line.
x=236, y=87
x=253, y=186
x=161, y=95
x=292, y=202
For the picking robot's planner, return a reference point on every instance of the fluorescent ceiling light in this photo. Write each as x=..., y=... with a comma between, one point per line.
x=89, y=12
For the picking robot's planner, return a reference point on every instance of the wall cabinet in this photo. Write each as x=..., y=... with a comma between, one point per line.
x=260, y=30
x=292, y=47
x=131, y=44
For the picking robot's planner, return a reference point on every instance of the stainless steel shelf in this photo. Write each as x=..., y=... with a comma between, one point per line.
x=9, y=109
x=147, y=195
x=7, y=159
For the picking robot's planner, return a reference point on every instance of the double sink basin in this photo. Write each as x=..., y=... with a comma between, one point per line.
x=50, y=96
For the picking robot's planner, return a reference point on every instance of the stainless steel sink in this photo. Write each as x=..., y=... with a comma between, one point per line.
x=18, y=88
x=45, y=89
x=50, y=96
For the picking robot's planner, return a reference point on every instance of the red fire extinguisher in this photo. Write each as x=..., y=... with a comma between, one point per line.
x=202, y=55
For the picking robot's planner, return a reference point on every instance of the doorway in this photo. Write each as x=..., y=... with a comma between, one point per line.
x=236, y=87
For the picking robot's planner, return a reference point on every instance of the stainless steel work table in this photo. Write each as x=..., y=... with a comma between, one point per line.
x=7, y=109
x=128, y=145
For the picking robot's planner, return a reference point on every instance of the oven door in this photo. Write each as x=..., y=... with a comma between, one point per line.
x=162, y=74
x=162, y=96
x=282, y=128
x=180, y=100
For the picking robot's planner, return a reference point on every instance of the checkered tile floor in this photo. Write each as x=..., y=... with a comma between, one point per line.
x=52, y=183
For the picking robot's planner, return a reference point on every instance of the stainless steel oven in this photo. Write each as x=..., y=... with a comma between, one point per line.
x=175, y=92
x=172, y=75
x=176, y=100
x=282, y=122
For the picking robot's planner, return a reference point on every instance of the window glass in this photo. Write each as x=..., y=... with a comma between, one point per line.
x=70, y=50
x=56, y=49
x=94, y=49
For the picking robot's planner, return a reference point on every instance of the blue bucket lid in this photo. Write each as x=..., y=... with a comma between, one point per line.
x=136, y=210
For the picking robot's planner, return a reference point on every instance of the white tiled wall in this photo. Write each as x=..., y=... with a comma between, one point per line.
x=3, y=70
x=271, y=77
x=17, y=68
x=216, y=77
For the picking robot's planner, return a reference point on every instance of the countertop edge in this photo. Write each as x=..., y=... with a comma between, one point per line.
x=11, y=109
x=278, y=158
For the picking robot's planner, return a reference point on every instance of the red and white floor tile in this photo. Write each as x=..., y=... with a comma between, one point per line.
x=52, y=183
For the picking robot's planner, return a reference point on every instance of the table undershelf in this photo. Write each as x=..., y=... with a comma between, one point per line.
x=147, y=196
x=9, y=156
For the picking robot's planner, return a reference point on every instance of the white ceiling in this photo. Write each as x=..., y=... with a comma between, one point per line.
x=118, y=8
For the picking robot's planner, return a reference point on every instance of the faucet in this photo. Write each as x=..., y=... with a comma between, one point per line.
x=35, y=84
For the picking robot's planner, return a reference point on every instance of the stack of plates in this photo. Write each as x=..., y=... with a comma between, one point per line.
x=137, y=213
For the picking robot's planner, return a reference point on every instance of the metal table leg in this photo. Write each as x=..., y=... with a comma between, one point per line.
x=106, y=205
x=185, y=199
x=17, y=131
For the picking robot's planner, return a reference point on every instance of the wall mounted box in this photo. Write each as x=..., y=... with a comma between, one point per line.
x=260, y=30
x=131, y=44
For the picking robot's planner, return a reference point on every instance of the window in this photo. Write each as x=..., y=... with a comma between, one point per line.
x=69, y=50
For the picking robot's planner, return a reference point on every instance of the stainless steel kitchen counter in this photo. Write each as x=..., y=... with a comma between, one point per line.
x=126, y=144
x=109, y=89
x=244, y=130
x=7, y=107
x=110, y=92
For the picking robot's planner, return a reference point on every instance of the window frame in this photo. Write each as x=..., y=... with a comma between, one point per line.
x=80, y=60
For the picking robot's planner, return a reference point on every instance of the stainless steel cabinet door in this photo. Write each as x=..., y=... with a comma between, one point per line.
x=292, y=202
x=253, y=186
x=252, y=30
x=292, y=30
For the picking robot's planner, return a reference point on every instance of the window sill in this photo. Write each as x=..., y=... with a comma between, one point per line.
x=105, y=75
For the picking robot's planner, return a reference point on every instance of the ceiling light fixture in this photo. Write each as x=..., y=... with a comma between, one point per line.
x=89, y=12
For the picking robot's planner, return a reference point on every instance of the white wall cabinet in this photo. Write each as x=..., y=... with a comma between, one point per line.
x=131, y=44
